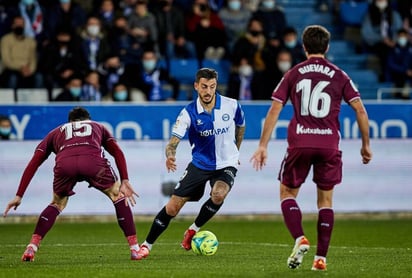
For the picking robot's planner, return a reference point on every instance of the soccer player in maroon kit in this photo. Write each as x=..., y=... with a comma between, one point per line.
x=316, y=89
x=79, y=157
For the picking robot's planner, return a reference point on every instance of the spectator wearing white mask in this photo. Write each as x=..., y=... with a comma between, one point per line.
x=291, y=42
x=94, y=45
x=235, y=18
x=399, y=65
x=152, y=78
x=5, y=127
x=245, y=83
x=378, y=31
x=120, y=93
x=275, y=71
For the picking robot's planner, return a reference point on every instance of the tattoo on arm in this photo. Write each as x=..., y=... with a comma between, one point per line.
x=239, y=133
x=172, y=146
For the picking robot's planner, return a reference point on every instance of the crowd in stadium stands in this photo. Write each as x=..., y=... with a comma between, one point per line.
x=386, y=31
x=99, y=50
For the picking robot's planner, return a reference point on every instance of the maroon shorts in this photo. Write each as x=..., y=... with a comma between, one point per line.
x=327, y=167
x=72, y=169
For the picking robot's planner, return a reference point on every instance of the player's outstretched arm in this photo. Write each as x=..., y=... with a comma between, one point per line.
x=12, y=204
x=127, y=190
x=171, y=154
x=260, y=156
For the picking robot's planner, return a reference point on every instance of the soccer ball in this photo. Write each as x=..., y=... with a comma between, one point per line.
x=205, y=243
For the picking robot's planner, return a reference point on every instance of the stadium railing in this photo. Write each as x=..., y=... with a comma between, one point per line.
x=386, y=93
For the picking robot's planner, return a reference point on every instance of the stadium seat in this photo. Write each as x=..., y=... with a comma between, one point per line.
x=339, y=47
x=352, y=12
x=32, y=95
x=221, y=66
x=6, y=96
x=350, y=61
x=56, y=92
x=367, y=82
x=184, y=70
x=137, y=95
x=363, y=76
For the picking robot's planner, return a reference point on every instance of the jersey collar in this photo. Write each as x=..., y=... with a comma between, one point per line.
x=200, y=108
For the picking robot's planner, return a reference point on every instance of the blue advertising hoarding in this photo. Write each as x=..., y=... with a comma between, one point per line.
x=154, y=121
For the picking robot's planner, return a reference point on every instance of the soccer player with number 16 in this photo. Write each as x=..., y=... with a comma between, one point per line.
x=316, y=89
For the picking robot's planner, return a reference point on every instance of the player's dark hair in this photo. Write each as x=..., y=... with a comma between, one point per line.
x=78, y=114
x=206, y=73
x=315, y=39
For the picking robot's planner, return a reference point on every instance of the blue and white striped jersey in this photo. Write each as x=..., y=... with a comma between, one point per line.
x=211, y=135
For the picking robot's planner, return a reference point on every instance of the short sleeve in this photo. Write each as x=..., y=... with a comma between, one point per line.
x=281, y=91
x=239, y=116
x=182, y=124
x=350, y=92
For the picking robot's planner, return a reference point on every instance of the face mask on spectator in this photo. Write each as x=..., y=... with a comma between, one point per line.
x=402, y=41
x=5, y=132
x=245, y=70
x=149, y=65
x=382, y=5
x=284, y=66
x=255, y=33
x=18, y=30
x=28, y=2
x=268, y=4
x=75, y=91
x=291, y=44
x=234, y=5
x=93, y=30
x=120, y=95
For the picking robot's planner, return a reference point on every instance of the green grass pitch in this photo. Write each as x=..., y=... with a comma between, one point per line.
x=365, y=247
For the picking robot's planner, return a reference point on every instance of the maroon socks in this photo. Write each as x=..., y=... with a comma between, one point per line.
x=325, y=227
x=125, y=218
x=292, y=217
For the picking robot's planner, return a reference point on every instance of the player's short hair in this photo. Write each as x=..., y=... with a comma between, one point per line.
x=78, y=114
x=315, y=39
x=206, y=73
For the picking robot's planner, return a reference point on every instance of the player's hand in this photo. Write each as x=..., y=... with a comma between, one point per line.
x=259, y=158
x=13, y=203
x=171, y=164
x=366, y=154
x=127, y=190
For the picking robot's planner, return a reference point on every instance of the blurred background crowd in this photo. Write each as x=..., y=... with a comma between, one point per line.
x=103, y=50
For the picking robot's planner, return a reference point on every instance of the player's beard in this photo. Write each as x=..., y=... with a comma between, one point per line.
x=207, y=102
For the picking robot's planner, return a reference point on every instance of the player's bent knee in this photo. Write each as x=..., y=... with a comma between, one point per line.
x=218, y=199
x=219, y=192
x=59, y=202
x=174, y=205
x=172, y=210
x=218, y=196
x=113, y=192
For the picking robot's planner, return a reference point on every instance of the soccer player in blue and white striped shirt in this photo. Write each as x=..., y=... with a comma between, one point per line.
x=215, y=126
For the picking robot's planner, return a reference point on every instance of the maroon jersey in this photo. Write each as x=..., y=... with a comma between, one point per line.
x=316, y=89
x=76, y=138
x=79, y=156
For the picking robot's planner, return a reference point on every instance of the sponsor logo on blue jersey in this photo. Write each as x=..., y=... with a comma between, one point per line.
x=217, y=131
